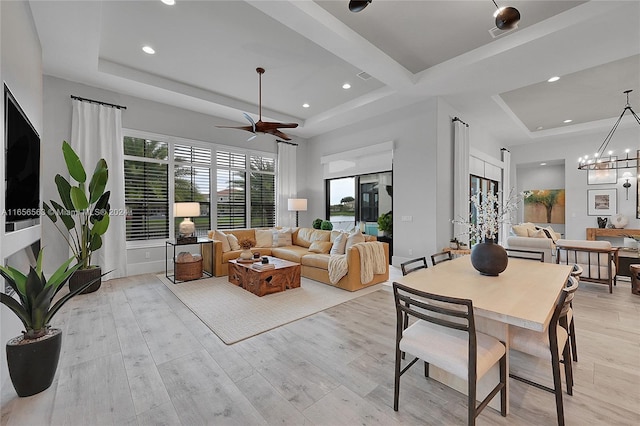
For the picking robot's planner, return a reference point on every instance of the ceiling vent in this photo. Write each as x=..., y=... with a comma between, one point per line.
x=363, y=75
x=496, y=32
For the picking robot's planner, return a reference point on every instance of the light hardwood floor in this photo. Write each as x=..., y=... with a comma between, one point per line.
x=133, y=354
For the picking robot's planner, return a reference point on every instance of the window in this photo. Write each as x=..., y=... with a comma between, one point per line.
x=231, y=198
x=263, y=191
x=245, y=186
x=146, y=175
x=192, y=177
x=360, y=198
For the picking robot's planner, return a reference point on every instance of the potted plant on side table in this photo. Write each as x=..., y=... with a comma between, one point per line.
x=32, y=359
x=84, y=214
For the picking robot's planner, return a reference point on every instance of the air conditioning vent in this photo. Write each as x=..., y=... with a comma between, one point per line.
x=363, y=75
x=495, y=32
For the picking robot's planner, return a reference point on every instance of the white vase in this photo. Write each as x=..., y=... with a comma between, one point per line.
x=246, y=255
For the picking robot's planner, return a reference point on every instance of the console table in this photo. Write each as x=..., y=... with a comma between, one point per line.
x=592, y=233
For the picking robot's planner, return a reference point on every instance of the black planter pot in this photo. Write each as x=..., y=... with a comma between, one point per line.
x=82, y=276
x=489, y=258
x=33, y=365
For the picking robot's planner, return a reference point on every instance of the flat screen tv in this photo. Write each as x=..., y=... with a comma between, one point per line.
x=22, y=165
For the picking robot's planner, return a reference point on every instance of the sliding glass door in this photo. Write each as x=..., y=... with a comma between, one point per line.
x=359, y=199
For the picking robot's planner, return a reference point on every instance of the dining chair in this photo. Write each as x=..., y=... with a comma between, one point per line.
x=538, y=344
x=525, y=254
x=440, y=257
x=413, y=265
x=576, y=272
x=444, y=334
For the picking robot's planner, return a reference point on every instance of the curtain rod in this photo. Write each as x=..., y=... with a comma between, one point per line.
x=288, y=143
x=454, y=119
x=98, y=102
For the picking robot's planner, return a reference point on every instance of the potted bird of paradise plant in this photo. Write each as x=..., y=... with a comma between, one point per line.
x=84, y=214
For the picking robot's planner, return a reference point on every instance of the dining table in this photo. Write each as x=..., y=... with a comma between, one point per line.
x=523, y=295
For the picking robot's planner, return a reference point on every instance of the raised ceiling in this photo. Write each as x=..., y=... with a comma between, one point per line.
x=207, y=52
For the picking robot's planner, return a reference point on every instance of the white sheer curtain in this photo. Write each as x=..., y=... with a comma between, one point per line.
x=506, y=191
x=96, y=132
x=460, y=177
x=287, y=186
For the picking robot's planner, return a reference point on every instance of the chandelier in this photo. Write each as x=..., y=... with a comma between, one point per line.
x=599, y=162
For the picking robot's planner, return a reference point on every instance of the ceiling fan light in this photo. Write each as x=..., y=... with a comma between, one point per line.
x=507, y=18
x=358, y=5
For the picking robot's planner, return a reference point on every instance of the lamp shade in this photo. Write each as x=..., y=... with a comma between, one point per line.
x=297, y=204
x=186, y=209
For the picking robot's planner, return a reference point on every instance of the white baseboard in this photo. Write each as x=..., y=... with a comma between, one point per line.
x=154, y=267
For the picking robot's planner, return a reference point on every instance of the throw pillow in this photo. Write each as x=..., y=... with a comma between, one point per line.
x=320, y=236
x=233, y=242
x=222, y=237
x=264, y=237
x=354, y=238
x=320, y=247
x=282, y=237
x=304, y=237
x=339, y=244
x=536, y=233
x=520, y=230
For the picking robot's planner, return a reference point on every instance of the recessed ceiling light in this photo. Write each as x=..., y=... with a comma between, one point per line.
x=169, y=2
x=305, y=105
x=552, y=79
x=148, y=49
x=567, y=121
x=346, y=86
x=543, y=164
x=539, y=128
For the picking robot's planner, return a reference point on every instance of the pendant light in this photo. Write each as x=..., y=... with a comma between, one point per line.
x=358, y=5
x=599, y=161
x=506, y=17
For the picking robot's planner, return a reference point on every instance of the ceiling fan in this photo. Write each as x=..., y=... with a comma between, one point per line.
x=260, y=126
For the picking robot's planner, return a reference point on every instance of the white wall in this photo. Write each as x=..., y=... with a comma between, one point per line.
x=21, y=70
x=422, y=171
x=570, y=149
x=142, y=115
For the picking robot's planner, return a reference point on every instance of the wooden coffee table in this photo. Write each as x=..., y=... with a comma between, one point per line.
x=285, y=275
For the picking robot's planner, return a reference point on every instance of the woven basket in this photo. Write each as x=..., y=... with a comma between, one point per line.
x=186, y=271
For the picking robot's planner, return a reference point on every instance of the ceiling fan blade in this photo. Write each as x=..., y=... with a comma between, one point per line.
x=288, y=125
x=281, y=135
x=248, y=117
x=247, y=128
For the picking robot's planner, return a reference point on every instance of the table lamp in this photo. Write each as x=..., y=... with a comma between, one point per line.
x=297, y=205
x=187, y=211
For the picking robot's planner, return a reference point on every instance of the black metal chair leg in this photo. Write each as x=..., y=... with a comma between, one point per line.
x=557, y=384
x=568, y=368
x=396, y=386
x=572, y=335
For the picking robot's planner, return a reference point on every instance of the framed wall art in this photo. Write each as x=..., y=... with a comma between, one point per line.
x=601, y=202
x=603, y=175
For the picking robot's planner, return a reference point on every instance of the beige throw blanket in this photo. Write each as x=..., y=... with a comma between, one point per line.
x=338, y=267
x=372, y=260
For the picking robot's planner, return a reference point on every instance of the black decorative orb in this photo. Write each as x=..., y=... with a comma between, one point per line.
x=508, y=18
x=489, y=258
x=358, y=5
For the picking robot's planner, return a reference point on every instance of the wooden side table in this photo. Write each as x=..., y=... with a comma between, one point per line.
x=458, y=252
x=635, y=279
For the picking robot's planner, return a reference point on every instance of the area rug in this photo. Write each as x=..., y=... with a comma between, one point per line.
x=234, y=314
